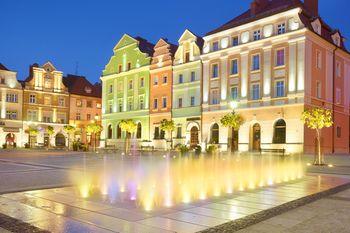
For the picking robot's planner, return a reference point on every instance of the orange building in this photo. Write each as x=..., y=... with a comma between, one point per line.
x=161, y=90
x=85, y=106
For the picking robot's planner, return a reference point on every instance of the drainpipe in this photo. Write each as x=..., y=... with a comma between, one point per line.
x=333, y=101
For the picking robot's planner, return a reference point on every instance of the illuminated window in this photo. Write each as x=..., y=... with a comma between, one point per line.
x=214, y=134
x=98, y=105
x=256, y=62
x=256, y=35
x=280, y=57
x=130, y=104
x=255, y=91
x=11, y=98
x=32, y=115
x=215, y=46
x=215, y=96
x=11, y=115
x=79, y=103
x=234, y=93
x=234, y=67
x=280, y=89
x=215, y=71
x=32, y=99
x=235, y=41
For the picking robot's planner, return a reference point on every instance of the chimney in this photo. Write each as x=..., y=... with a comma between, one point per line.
x=257, y=5
x=311, y=6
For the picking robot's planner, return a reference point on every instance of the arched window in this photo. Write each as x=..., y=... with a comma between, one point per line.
x=139, y=131
x=214, y=134
x=119, y=132
x=279, y=133
x=109, y=132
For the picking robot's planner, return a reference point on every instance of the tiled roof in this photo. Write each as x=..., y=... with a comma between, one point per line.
x=79, y=85
x=145, y=46
x=2, y=67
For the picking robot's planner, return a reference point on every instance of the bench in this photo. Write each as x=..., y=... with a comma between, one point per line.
x=279, y=151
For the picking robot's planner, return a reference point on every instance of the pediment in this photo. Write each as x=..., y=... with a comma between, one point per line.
x=125, y=41
x=187, y=35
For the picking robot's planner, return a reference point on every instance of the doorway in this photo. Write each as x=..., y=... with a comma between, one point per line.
x=194, y=136
x=234, y=140
x=256, y=137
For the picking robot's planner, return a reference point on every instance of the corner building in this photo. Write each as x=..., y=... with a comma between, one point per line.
x=269, y=64
x=125, y=91
x=186, y=106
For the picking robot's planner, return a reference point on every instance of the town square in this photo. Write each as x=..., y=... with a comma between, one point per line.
x=238, y=122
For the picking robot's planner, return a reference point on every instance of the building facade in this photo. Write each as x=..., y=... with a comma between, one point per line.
x=85, y=107
x=125, y=90
x=45, y=103
x=161, y=83
x=186, y=106
x=11, y=126
x=269, y=64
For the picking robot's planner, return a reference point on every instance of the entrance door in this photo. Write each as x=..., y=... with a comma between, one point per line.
x=194, y=136
x=60, y=140
x=10, y=139
x=234, y=140
x=256, y=137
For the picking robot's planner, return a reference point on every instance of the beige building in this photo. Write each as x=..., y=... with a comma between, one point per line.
x=11, y=132
x=45, y=102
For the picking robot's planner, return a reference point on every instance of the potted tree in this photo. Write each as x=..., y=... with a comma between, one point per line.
x=317, y=119
x=130, y=127
x=70, y=130
x=95, y=129
x=33, y=132
x=233, y=121
x=168, y=126
x=50, y=131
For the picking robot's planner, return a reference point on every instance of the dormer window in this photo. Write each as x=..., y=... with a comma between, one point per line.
x=215, y=46
x=316, y=25
x=235, y=41
x=336, y=39
x=281, y=28
x=88, y=90
x=257, y=35
x=187, y=57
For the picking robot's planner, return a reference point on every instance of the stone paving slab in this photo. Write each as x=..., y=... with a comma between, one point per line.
x=61, y=210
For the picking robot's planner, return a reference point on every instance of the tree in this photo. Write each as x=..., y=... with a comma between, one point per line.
x=317, y=119
x=69, y=129
x=232, y=120
x=168, y=126
x=95, y=129
x=50, y=131
x=130, y=127
x=32, y=131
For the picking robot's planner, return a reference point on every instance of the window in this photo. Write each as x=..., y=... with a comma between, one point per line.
x=88, y=117
x=214, y=96
x=142, y=82
x=165, y=80
x=187, y=57
x=61, y=102
x=215, y=46
x=155, y=103
x=120, y=105
x=256, y=62
x=338, y=69
x=47, y=100
x=11, y=98
x=120, y=68
x=32, y=99
x=214, y=134
x=280, y=89
x=179, y=132
x=235, y=41
x=130, y=84
x=318, y=90
x=338, y=96
x=155, y=81
x=257, y=35
x=2, y=80
x=141, y=103
x=193, y=76
x=139, y=131
x=234, y=67
x=180, y=103
x=129, y=66
x=338, y=132
x=234, y=93
x=280, y=57
x=156, y=133
x=279, y=133
x=98, y=105
x=11, y=115
x=110, y=106
x=281, y=28
x=255, y=91
x=164, y=100
x=318, y=59
x=119, y=132
x=46, y=119
x=162, y=134
x=77, y=116
x=181, y=78
x=193, y=102
x=79, y=103
x=120, y=86
x=130, y=104
x=111, y=88
x=32, y=115
x=109, y=132
x=89, y=104
x=215, y=71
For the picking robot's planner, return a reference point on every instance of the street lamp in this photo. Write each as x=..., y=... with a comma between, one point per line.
x=234, y=104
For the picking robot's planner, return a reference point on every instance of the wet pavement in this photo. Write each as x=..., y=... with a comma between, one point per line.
x=63, y=210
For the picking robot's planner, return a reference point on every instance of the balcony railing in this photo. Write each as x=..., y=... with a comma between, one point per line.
x=45, y=89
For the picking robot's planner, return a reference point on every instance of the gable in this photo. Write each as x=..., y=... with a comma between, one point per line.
x=48, y=67
x=161, y=43
x=125, y=41
x=187, y=35
x=316, y=25
x=336, y=39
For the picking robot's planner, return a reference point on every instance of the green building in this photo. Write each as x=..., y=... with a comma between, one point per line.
x=187, y=73
x=125, y=90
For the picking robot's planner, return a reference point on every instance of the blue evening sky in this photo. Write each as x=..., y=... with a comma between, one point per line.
x=68, y=32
